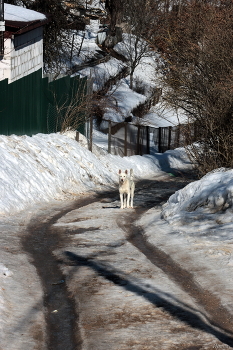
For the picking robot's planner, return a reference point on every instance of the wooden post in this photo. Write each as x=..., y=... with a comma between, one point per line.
x=109, y=136
x=77, y=136
x=147, y=139
x=138, y=140
x=160, y=140
x=169, y=137
x=91, y=133
x=178, y=136
x=89, y=117
x=125, y=148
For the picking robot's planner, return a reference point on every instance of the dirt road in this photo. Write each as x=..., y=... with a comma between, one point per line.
x=95, y=280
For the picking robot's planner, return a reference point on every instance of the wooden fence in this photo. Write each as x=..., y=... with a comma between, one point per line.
x=126, y=139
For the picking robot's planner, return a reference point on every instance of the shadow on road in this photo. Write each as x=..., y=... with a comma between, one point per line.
x=182, y=312
x=41, y=240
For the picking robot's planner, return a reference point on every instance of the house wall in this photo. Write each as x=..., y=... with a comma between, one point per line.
x=23, y=55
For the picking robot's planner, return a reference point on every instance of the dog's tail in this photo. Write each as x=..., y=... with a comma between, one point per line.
x=131, y=173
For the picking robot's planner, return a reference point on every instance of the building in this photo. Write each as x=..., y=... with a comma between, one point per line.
x=23, y=42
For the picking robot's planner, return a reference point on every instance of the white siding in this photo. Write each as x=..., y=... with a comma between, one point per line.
x=23, y=55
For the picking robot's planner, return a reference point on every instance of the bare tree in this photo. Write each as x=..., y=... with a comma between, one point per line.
x=139, y=15
x=71, y=112
x=197, y=75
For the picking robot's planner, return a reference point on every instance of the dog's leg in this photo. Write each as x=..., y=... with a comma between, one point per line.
x=131, y=200
x=128, y=199
x=125, y=200
x=132, y=195
x=131, y=204
x=122, y=200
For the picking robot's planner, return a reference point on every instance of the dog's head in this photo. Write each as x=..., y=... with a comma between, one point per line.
x=123, y=176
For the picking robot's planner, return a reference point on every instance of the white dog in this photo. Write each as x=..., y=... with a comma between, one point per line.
x=126, y=188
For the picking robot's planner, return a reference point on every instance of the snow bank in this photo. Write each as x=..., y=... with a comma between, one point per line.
x=44, y=167
x=47, y=167
x=204, y=205
x=173, y=161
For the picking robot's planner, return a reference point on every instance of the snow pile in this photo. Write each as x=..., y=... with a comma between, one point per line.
x=44, y=167
x=47, y=167
x=204, y=205
x=173, y=161
x=127, y=100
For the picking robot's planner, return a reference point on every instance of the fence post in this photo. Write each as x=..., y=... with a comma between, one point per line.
x=109, y=136
x=160, y=140
x=138, y=140
x=77, y=136
x=178, y=136
x=169, y=137
x=125, y=150
x=147, y=139
x=91, y=133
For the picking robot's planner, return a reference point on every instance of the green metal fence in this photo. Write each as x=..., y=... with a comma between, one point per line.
x=33, y=105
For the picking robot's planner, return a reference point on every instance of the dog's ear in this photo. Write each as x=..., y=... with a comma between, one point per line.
x=126, y=171
x=119, y=171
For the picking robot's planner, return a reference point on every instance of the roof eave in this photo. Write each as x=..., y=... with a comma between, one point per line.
x=18, y=27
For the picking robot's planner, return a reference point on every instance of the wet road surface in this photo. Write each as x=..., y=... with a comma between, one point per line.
x=78, y=254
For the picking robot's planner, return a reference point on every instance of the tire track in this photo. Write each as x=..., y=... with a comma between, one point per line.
x=62, y=319
x=216, y=314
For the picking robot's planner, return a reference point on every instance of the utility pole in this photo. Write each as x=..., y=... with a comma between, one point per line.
x=2, y=28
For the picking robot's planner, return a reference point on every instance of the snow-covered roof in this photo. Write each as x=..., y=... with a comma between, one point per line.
x=20, y=14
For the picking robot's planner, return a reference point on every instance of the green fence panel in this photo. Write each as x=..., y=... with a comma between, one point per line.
x=32, y=105
x=26, y=102
x=21, y=105
x=4, y=103
x=64, y=95
x=58, y=101
x=79, y=87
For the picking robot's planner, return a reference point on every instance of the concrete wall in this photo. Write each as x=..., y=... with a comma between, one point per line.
x=23, y=55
